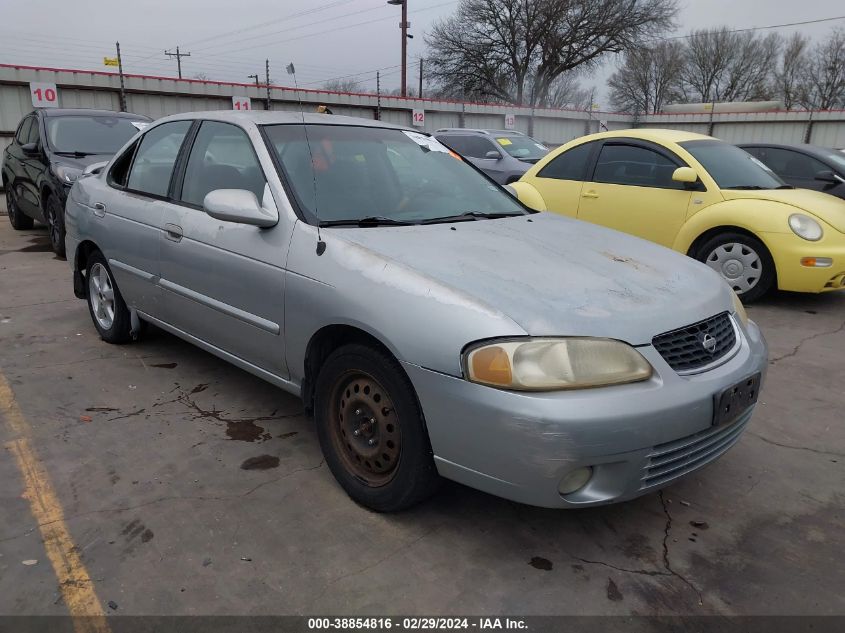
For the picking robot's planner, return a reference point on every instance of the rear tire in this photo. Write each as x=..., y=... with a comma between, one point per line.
x=743, y=261
x=55, y=216
x=105, y=303
x=19, y=221
x=371, y=430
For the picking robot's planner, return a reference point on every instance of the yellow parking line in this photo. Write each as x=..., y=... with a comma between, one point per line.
x=74, y=582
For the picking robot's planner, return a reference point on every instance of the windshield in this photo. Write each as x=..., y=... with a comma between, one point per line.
x=522, y=147
x=90, y=134
x=732, y=167
x=352, y=173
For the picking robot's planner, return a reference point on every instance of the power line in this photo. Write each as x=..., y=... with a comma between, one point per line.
x=764, y=28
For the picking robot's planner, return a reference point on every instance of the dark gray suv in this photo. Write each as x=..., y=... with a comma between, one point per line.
x=504, y=155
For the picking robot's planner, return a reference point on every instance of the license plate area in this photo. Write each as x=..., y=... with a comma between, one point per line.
x=736, y=400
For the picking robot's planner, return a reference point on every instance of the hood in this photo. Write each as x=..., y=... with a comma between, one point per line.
x=555, y=276
x=827, y=208
x=81, y=162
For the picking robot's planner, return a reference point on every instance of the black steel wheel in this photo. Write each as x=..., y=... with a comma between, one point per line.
x=55, y=216
x=19, y=220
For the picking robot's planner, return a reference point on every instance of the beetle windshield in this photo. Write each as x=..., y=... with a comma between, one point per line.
x=732, y=167
x=381, y=176
x=90, y=134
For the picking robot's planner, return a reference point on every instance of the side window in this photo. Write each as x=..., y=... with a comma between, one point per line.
x=23, y=130
x=120, y=170
x=222, y=157
x=33, y=135
x=791, y=164
x=454, y=142
x=571, y=165
x=153, y=166
x=635, y=166
x=478, y=146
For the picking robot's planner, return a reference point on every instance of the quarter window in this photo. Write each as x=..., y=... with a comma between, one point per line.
x=222, y=157
x=635, y=166
x=120, y=170
x=153, y=166
x=570, y=165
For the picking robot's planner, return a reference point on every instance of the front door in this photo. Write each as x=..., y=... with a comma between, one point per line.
x=223, y=282
x=632, y=191
x=561, y=180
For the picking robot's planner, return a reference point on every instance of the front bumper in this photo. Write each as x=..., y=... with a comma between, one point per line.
x=637, y=437
x=788, y=250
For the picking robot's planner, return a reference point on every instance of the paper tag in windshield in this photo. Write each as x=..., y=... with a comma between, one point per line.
x=504, y=141
x=140, y=125
x=426, y=142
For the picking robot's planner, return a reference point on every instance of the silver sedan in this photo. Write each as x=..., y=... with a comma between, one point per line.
x=433, y=325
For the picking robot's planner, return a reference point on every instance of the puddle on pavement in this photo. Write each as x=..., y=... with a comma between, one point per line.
x=165, y=366
x=36, y=245
x=261, y=462
x=246, y=431
x=538, y=562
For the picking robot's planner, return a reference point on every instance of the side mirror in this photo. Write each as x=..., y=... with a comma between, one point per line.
x=685, y=175
x=830, y=177
x=527, y=194
x=493, y=154
x=95, y=168
x=29, y=148
x=240, y=206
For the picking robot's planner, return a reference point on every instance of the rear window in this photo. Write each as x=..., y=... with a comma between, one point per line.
x=91, y=134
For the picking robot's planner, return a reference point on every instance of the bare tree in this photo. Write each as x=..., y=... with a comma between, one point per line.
x=790, y=78
x=648, y=78
x=721, y=65
x=514, y=50
x=201, y=76
x=566, y=92
x=342, y=85
x=825, y=70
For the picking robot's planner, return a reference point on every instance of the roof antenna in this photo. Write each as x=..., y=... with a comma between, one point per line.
x=321, y=245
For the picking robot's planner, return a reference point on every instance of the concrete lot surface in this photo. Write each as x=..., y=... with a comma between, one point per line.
x=182, y=485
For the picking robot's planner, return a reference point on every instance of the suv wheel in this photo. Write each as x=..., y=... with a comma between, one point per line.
x=19, y=221
x=55, y=216
x=108, y=310
x=372, y=431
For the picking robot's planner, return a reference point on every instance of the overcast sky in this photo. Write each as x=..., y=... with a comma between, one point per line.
x=324, y=38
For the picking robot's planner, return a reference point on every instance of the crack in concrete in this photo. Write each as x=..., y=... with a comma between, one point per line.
x=128, y=415
x=667, y=529
x=797, y=348
x=817, y=451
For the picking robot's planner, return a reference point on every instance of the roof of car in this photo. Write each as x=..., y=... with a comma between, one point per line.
x=49, y=112
x=469, y=131
x=653, y=134
x=261, y=117
x=807, y=149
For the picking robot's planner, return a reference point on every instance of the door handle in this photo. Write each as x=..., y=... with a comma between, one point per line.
x=173, y=232
x=99, y=209
x=590, y=194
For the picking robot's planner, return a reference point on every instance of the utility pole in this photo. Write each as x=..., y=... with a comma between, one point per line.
x=255, y=76
x=404, y=25
x=122, y=86
x=267, y=77
x=178, y=57
x=378, y=96
x=419, y=94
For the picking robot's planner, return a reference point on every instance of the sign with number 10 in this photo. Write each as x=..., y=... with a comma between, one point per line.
x=44, y=95
x=241, y=103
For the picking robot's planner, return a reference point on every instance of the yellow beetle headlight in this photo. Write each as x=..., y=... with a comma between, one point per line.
x=552, y=364
x=805, y=227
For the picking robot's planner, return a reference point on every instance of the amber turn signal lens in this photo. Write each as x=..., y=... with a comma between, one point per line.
x=816, y=262
x=491, y=365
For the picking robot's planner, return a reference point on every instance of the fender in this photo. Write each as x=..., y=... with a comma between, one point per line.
x=529, y=196
x=755, y=216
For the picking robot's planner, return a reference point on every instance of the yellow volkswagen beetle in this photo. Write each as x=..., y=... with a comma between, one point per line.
x=700, y=196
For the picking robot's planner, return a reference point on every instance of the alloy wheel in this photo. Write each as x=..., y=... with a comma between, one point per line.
x=101, y=295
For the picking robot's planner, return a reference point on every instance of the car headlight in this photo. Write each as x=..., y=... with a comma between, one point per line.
x=68, y=175
x=739, y=309
x=805, y=227
x=552, y=364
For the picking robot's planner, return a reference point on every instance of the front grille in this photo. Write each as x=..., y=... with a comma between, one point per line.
x=684, y=349
x=674, y=459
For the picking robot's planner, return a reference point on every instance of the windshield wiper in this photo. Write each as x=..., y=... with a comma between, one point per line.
x=373, y=220
x=74, y=154
x=470, y=216
x=785, y=187
x=747, y=187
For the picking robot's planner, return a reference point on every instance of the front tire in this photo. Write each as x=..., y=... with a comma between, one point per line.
x=371, y=430
x=105, y=303
x=55, y=216
x=743, y=261
x=19, y=220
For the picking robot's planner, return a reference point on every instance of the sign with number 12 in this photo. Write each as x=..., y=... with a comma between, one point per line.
x=44, y=95
x=418, y=118
x=241, y=103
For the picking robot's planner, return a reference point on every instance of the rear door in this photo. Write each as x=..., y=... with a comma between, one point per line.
x=561, y=180
x=632, y=190
x=224, y=282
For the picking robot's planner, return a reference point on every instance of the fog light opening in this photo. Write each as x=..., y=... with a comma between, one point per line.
x=816, y=262
x=575, y=480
